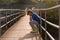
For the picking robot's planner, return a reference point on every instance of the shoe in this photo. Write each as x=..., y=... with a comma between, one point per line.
x=34, y=31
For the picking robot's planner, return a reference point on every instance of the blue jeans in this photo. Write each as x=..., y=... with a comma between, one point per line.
x=33, y=25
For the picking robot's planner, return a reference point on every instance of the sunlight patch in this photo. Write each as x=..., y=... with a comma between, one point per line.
x=28, y=39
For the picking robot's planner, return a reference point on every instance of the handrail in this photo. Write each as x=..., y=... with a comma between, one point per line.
x=11, y=9
x=11, y=15
x=54, y=25
x=11, y=20
x=47, y=33
x=45, y=9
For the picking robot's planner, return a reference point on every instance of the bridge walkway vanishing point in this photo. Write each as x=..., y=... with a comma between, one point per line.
x=20, y=31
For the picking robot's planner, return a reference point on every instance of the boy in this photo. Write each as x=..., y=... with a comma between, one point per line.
x=34, y=20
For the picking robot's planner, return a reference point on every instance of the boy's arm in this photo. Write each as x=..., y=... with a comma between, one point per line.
x=31, y=18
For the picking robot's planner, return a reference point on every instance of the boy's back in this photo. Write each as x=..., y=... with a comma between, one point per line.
x=36, y=18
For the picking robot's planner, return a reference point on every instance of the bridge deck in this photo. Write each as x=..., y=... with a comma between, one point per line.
x=20, y=31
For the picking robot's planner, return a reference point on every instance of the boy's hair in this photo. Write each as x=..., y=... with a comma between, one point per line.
x=29, y=12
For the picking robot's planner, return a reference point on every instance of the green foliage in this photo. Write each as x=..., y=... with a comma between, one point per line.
x=50, y=3
x=52, y=16
x=15, y=1
x=10, y=1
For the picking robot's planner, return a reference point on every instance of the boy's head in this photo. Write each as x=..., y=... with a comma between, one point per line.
x=29, y=13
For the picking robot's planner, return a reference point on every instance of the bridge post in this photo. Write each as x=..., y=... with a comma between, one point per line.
x=0, y=26
x=0, y=31
x=59, y=23
x=26, y=11
x=58, y=2
x=40, y=14
x=33, y=9
x=6, y=20
x=45, y=27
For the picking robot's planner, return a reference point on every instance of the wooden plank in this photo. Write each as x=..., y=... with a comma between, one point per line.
x=19, y=31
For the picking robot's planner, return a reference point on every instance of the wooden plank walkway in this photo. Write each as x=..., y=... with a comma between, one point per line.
x=20, y=31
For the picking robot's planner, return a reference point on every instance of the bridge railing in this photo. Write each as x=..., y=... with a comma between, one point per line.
x=8, y=17
x=44, y=29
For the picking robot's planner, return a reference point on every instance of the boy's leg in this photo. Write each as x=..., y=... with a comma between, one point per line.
x=33, y=25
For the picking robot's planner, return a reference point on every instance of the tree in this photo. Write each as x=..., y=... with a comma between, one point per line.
x=50, y=3
x=11, y=1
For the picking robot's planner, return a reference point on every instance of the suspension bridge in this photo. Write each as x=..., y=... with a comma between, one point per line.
x=14, y=25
